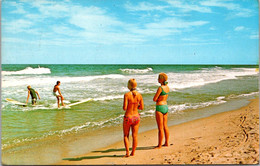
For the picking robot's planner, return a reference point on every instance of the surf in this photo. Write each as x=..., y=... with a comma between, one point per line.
x=137, y=71
x=29, y=71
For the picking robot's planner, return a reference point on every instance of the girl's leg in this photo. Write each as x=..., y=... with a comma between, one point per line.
x=126, y=129
x=159, y=120
x=166, y=129
x=134, y=135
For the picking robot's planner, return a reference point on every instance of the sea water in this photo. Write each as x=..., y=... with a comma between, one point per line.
x=28, y=130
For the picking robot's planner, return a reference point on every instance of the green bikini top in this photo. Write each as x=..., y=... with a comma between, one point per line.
x=163, y=92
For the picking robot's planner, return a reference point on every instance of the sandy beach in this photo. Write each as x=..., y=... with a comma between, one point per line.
x=226, y=138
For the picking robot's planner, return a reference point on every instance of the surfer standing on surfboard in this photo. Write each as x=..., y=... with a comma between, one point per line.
x=57, y=94
x=32, y=93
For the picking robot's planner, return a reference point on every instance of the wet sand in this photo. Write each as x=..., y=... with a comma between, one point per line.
x=226, y=138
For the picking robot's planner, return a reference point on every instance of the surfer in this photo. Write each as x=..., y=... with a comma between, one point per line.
x=32, y=93
x=57, y=94
x=132, y=102
x=161, y=112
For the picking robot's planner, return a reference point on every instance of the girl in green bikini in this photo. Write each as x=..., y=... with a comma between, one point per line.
x=161, y=112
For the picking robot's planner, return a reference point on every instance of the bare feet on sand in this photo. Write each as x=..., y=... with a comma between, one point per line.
x=166, y=144
x=157, y=147
x=127, y=155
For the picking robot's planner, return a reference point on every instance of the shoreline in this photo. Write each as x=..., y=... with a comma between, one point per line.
x=225, y=138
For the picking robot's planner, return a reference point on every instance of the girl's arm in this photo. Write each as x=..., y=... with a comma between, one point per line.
x=157, y=94
x=125, y=102
x=141, y=103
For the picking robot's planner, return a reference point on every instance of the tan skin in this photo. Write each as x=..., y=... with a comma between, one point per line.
x=161, y=119
x=59, y=97
x=131, y=105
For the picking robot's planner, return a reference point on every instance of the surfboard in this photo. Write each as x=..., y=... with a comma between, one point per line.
x=79, y=102
x=15, y=102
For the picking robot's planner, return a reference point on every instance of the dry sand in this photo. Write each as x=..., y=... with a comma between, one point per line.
x=226, y=138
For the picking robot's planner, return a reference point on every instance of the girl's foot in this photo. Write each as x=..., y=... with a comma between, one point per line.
x=127, y=155
x=132, y=154
x=166, y=144
x=157, y=147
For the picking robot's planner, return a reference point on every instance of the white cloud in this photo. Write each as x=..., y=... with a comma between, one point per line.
x=19, y=7
x=212, y=28
x=93, y=19
x=143, y=6
x=99, y=27
x=166, y=27
x=243, y=13
x=218, y=3
x=237, y=10
x=90, y=24
x=12, y=40
x=82, y=24
x=16, y=26
x=192, y=39
x=254, y=36
x=176, y=23
x=48, y=8
x=188, y=7
x=239, y=28
x=64, y=30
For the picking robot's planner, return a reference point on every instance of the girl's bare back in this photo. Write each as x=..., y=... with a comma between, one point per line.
x=132, y=103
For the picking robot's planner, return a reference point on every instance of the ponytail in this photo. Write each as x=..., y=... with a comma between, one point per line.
x=134, y=92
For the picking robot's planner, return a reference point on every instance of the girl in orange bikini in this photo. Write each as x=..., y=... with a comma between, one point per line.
x=161, y=112
x=132, y=102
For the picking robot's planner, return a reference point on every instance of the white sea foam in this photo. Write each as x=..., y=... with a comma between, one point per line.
x=136, y=71
x=182, y=107
x=244, y=95
x=108, y=98
x=87, y=124
x=176, y=80
x=206, y=76
x=28, y=70
x=54, y=104
x=35, y=81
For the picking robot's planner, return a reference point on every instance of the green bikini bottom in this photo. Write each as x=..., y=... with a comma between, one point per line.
x=162, y=108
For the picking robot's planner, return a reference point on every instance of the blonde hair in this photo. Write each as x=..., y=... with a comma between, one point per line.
x=132, y=84
x=164, y=77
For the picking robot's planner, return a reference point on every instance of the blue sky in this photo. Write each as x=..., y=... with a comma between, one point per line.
x=130, y=32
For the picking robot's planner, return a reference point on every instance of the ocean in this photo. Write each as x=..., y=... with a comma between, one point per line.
x=45, y=134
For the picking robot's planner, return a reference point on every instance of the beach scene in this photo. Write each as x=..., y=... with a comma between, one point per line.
x=209, y=50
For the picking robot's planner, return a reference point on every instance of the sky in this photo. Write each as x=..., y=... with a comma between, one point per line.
x=130, y=32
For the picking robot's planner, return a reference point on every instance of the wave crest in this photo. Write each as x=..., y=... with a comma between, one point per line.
x=135, y=71
x=28, y=70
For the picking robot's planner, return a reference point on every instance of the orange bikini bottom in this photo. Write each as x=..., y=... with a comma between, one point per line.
x=131, y=121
